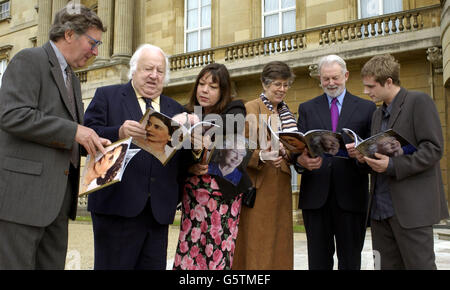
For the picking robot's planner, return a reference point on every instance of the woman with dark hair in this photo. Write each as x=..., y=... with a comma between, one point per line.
x=105, y=169
x=265, y=240
x=159, y=136
x=210, y=208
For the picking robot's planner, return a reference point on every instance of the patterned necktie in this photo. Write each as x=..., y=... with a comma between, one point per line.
x=75, y=152
x=69, y=86
x=334, y=114
x=148, y=103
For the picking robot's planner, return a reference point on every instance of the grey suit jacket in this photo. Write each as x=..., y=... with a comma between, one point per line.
x=37, y=132
x=417, y=190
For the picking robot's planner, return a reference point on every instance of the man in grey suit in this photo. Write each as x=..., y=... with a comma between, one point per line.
x=407, y=190
x=40, y=114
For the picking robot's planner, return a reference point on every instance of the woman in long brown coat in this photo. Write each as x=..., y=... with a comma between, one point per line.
x=265, y=238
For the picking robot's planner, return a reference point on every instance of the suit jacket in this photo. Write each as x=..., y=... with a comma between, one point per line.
x=145, y=176
x=36, y=136
x=417, y=190
x=349, y=181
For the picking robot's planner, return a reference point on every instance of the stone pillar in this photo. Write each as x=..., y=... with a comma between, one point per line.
x=123, y=29
x=44, y=21
x=139, y=23
x=106, y=14
x=57, y=5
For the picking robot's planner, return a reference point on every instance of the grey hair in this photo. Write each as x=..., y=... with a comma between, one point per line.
x=330, y=59
x=74, y=17
x=137, y=54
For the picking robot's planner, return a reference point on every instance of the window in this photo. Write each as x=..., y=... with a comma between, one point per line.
x=4, y=10
x=3, y=63
x=370, y=8
x=278, y=17
x=197, y=25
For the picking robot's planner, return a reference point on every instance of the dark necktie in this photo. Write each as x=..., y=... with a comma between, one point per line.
x=70, y=93
x=334, y=114
x=148, y=103
x=75, y=152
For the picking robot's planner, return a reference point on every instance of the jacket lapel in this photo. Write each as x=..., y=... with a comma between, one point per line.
x=323, y=111
x=55, y=68
x=397, y=107
x=348, y=108
x=130, y=102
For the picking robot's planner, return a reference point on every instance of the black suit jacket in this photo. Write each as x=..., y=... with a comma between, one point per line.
x=350, y=182
x=145, y=177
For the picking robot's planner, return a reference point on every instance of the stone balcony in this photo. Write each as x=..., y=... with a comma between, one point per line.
x=411, y=30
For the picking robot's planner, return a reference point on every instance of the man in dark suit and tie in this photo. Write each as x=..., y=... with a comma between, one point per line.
x=40, y=115
x=407, y=191
x=131, y=218
x=334, y=191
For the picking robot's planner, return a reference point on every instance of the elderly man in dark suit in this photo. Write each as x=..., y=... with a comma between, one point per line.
x=40, y=114
x=334, y=191
x=407, y=191
x=131, y=218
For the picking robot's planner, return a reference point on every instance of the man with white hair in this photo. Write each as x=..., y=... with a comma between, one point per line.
x=130, y=219
x=334, y=191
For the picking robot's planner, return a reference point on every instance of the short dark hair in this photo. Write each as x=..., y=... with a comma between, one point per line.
x=276, y=70
x=382, y=67
x=74, y=17
x=221, y=76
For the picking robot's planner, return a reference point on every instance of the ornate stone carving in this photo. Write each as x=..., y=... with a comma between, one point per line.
x=314, y=71
x=434, y=55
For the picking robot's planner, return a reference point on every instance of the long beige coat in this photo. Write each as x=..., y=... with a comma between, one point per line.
x=265, y=238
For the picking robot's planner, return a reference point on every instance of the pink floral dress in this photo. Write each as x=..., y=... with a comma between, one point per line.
x=209, y=226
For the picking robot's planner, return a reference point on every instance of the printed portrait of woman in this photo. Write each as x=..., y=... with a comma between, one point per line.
x=105, y=169
x=226, y=162
x=330, y=144
x=389, y=146
x=159, y=136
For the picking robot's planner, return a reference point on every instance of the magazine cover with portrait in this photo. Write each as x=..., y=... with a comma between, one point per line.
x=229, y=161
x=106, y=169
x=163, y=135
x=388, y=143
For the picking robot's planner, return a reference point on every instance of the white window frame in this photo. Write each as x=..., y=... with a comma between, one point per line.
x=380, y=12
x=3, y=65
x=199, y=29
x=5, y=12
x=280, y=12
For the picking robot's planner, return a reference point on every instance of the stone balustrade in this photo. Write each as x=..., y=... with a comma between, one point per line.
x=311, y=39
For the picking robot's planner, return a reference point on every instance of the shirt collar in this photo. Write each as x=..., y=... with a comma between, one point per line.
x=61, y=59
x=340, y=98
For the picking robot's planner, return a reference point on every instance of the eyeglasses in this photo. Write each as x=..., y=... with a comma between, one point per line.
x=96, y=42
x=280, y=85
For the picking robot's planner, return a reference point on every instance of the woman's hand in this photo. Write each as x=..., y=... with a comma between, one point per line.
x=198, y=169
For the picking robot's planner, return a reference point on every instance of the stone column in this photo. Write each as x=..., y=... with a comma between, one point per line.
x=139, y=23
x=57, y=5
x=106, y=14
x=123, y=29
x=44, y=21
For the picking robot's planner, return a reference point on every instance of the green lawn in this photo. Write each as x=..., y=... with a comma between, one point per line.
x=176, y=223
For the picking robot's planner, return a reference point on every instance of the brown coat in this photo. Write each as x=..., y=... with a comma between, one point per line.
x=265, y=238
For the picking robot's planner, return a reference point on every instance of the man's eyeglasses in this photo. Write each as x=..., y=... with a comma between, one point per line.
x=96, y=42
